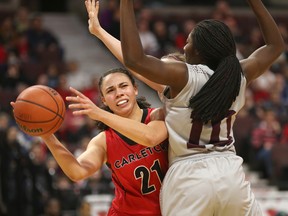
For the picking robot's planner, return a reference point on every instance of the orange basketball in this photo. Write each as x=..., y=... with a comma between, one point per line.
x=39, y=110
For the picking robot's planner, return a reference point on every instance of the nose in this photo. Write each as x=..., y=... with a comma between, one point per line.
x=119, y=92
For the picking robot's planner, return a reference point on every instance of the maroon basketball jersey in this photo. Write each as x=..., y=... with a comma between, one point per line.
x=137, y=173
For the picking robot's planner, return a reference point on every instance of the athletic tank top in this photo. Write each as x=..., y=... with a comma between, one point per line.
x=137, y=173
x=188, y=137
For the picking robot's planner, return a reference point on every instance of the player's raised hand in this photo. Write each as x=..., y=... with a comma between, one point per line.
x=92, y=7
x=82, y=105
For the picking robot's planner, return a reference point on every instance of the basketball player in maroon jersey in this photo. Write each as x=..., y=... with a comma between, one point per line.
x=201, y=101
x=135, y=149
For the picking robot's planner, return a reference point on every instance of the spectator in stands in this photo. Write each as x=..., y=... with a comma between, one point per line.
x=253, y=41
x=98, y=184
x=62, y=87
x=42, y=79
x=13, y=77
x=42, y=181
x=21, y=19
x=92, y=90
x=232, y=23
x=85, y=138
x=88, y=128
x=53, y=74
x=68, y=131
x=222, y=10
x=261, y=87
x=7, y=33
x=85, y=208
x=52, y=207
x=53, y=168
x=185, y=28
x=284, y=32
x=242, y=135
x=21, y=47
x=275, y=102
x=41, y=41
x=110, y=17
x=148, y=38
x=67, y=194
x=15, y=173
x=164, y=40
x=284, y=135
x=265, y=135
x=75, y=77
x=284, y=94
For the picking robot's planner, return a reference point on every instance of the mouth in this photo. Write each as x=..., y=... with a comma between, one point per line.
x=121, y=102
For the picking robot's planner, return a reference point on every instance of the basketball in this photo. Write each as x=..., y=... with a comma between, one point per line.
x=39, y=110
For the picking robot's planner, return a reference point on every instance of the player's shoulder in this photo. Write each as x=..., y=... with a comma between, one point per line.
x=98, y=143
x=157, y=114
x=99, y=139
x=250, y=68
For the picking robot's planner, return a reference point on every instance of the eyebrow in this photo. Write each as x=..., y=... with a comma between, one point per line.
x=120, y=84
x=110, y=87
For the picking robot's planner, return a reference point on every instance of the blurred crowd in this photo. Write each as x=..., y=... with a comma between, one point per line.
x=30, y=179
x=30, y=54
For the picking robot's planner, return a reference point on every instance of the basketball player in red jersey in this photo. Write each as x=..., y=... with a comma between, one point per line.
x=135, y=149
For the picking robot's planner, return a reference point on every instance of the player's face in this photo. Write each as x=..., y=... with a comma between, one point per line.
x=191, y=54
x=188, y=49
x=119, y=94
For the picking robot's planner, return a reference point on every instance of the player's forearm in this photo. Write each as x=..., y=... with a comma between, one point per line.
x=269, y=28
x=130, y=41
x=113, y=44
x=156, y=86
x=64, y=158
x=134, y=130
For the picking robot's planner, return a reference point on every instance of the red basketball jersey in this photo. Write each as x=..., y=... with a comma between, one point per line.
x=137, y=173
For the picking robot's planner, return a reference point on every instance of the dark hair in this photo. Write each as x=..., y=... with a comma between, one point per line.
x=141, y=101
x=215, y=44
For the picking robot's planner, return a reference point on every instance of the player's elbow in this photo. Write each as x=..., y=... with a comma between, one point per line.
x=75, y=180
x=282, y=48
x=75, y=177
x=130, y=63
x=279, y=48
x=133, y=61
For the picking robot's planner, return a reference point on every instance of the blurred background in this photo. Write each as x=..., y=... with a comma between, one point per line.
x=47, y=42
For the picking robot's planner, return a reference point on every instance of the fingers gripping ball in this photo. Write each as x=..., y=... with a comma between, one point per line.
x=39, y=110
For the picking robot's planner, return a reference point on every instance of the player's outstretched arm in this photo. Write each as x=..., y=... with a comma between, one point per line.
x=148, y=66
x=90, y=161
x=150, y=134
x=112, y=43
x=261, y=59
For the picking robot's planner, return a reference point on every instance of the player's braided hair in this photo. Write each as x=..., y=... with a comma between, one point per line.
x=141, y=101
x=215, y=44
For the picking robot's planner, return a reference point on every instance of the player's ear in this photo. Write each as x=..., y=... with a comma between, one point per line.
x=103, y=101
x=136, y=90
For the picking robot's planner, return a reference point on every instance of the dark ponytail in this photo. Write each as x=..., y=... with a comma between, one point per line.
x=215, y=44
